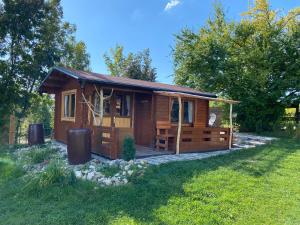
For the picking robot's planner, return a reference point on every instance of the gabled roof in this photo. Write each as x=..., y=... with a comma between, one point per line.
x=120, y=81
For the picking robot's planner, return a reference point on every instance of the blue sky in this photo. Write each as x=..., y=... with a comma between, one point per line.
x=140, y=24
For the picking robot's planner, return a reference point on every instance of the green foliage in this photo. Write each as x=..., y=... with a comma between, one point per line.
x=33, y=38
x=41, y=111
x=9, y=169
x=255, y=61
x=128, y=148
x=110, y=171
x=55, y=174
x=135, y=66
x=39, y=155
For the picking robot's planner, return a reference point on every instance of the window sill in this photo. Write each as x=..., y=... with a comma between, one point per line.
x=68, y=119
x=184, y=124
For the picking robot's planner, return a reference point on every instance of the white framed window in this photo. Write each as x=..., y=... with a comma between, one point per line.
x=68, y=105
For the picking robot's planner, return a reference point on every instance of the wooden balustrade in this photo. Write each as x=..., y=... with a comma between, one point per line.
x=202, y=139
x=109, y=141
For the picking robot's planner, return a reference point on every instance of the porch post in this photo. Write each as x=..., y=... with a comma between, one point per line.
x=230, y=119
x=179, y=125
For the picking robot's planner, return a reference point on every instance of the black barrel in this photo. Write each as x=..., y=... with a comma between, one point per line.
x=36, y=134
x=79, y=146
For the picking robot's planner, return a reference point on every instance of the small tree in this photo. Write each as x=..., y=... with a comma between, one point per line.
x=128, y=148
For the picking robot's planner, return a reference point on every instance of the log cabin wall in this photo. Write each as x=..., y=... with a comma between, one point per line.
x=84, y=119
x=60, y=126
x=197, y=136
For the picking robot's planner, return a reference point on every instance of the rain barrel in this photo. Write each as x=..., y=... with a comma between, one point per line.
x=36, y=134
x=79, y=146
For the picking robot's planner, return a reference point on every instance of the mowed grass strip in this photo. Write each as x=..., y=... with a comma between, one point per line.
x=254, y=186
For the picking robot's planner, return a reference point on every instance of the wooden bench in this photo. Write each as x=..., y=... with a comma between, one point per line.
x=162, y=135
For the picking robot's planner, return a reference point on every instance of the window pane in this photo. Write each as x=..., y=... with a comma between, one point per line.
x=66, y=105
x=106, y=104
x=72, y=105
x=118, y=105
x=175, y=111
x=97, y=103
x=188, y=112
x=126, y=105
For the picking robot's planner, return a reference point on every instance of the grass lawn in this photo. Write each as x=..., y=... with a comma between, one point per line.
x=255, y=186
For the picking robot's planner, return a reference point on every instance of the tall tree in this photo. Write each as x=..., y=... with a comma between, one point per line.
x=135, y=66
x=33, y=38
x=255, y=61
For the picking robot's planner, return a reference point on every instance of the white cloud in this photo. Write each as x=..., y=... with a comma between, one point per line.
x=171, y=4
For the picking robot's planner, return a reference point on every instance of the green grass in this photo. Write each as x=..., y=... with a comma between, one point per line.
x=255, y=186
x=40, y=154
x=109, y=171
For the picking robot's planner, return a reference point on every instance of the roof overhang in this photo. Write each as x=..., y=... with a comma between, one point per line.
x=185, y=95
x=50, y=83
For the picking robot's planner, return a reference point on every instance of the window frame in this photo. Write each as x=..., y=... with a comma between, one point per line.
x=68, y=93
x=182, y=116
x=104, y=101
x=123, y=96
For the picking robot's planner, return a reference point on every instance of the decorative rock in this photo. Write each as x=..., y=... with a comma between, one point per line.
x=92, y=167
x=90, y=175
x=78, y=174
x=130, y=172
x=127, y=167
x=107, y=181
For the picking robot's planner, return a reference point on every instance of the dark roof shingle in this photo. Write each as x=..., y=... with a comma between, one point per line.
x=122, y=81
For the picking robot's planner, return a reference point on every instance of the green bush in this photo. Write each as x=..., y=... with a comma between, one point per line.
x=54, y=174
x=39, y=154
x=128, y=148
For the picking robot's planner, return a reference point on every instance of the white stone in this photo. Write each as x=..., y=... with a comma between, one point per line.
x=107, y=181
x=92, y=167
x=90, y=176
x=127, y=167
x=78, y=174
x=130, y=172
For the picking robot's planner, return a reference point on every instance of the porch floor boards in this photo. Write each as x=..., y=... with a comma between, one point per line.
x=143, y=152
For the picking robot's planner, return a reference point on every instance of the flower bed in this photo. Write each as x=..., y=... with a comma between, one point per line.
x=35, y=160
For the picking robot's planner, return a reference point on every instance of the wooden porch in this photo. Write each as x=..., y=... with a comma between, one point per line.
x=143, y=151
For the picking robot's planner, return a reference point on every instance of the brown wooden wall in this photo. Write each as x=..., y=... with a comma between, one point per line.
x=61, y=127
x=84, y=119
x=201, y=110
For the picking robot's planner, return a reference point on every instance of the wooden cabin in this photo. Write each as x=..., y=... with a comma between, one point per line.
x=160, y=117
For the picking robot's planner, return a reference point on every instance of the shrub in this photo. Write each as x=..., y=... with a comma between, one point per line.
x=128, y=148
x=54, y=174
x=39, y=155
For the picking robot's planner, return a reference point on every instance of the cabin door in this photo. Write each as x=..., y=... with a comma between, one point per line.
x=143, y=130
